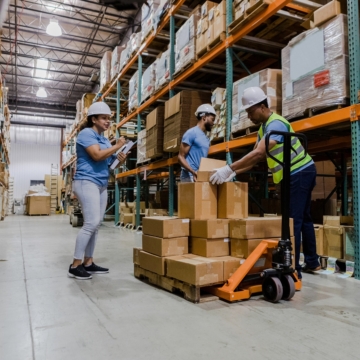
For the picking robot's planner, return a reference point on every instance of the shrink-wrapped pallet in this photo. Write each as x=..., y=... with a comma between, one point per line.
x=148, y=18
x=135, y=42
x=141, y=146
x=162, y=70
x=270, y=81
x=133, y=91
x=315, y=69
x=148, y=82
x=115, y=61
x=160, y=12
x=155, y=133
x=125, y=56
x=105, y=68
x=179, y=116
x=185, y=53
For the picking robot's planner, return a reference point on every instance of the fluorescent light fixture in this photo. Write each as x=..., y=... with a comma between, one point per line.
x=41, y=69
x=41, y=93
x=54, y=29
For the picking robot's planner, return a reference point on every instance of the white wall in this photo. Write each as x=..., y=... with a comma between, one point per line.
x=31, y=156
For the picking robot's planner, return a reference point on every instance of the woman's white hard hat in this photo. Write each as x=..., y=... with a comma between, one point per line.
x=99, y=108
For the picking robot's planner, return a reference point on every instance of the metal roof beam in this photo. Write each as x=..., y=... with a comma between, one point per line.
x=27, y=123
x=50, y=80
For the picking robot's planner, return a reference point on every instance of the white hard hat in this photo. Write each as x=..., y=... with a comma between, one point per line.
x=205, y=109
x=99, y=108
x=252, y=96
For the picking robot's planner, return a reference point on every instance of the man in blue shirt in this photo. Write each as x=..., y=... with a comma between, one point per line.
x=195, y=144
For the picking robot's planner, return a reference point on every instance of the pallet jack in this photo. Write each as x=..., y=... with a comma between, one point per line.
x=278, y=280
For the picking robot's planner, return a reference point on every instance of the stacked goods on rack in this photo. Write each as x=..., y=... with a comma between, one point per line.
x=270, y=81
x=141, y=147
x=162, y=70
x=128, y=212
x=218, y=101
x=86, y=101
x=115, y=61
x=148, y=81
x=155, y=133
x=125, y=56
x=203, y=30
x=105, y=68
x=133, y=91
x=185, y=53
x=10, y=206
x=129, y=130
x=78, y=115
x=4, y=175
x=148, y=17
x=217, y=23
x=336, y=238
x=179, y=116
x=135, y=42
x=110, y=133
x=315, y=69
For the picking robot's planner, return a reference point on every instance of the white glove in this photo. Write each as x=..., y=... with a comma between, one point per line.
x=222, y=175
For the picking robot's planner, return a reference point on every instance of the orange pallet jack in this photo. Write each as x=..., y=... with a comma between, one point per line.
x=279, y=280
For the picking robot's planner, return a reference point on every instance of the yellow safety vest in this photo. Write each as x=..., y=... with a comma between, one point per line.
x=277, y=151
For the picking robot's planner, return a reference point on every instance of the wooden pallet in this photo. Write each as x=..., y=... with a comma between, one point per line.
x=217, y=140
x=201, y=53
x=244, y=132
x=307, y=113
x=191, y=63
x=105, y=87
x=216, y=41
x=166, y=83
x=249, y=15
x=189, y=292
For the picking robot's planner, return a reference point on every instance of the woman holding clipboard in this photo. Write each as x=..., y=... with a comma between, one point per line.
x=94, y=156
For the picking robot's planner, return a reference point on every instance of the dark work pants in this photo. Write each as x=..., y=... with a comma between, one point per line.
x=301, y=186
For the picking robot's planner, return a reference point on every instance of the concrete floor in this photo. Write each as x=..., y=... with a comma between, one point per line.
x=46, y=315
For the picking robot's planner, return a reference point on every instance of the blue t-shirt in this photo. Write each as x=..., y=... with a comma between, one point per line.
x=86, y=167
x=278, y=125
x=199, y=146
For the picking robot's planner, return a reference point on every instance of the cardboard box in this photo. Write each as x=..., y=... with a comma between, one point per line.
x=326, y=13
x=166, y=226
x=333, y=242
x=233, y=200
x=218, y=20
x=338, y=220
x=319, y=235
x=197, y=200
x=152, y=262
x=258, y=228
x=243, y=248
x=206, y=168
x=230, y=264
x=105, y=69
x=210, y=229
x=156, y=212
x=136, y=256
x=210, y=247
x=165, y=247
x=155, y=133
x=126, y=218
x=38, y=205
x=195, y=270
x=205, y=8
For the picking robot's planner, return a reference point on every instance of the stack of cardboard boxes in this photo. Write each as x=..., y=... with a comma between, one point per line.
x=242, y=8
x=218, y=101
x=115, y=61
x=141, y=147
x=162, y=70
x=128, y=212
x=148, y=81
x=179, y=116
x=148, y=17
x=133, y=91
x=270, y=81
x=155, y=133
x=105, y=69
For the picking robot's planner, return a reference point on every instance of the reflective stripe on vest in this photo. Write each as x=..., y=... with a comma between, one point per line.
x=297, y=151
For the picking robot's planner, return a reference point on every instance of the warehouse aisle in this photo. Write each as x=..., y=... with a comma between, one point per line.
x=46, y=315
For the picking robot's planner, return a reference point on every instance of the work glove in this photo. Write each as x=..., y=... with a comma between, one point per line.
x=222, y=175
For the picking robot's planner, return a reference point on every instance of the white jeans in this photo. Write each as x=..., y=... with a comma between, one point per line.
x=93, y=200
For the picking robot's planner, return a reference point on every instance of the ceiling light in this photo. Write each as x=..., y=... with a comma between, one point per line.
x=54, y=29
x=41, y=93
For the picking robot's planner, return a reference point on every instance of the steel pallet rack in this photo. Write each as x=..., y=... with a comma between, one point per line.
x=350, y=114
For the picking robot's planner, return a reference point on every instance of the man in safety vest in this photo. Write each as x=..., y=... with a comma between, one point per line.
x=303, y=174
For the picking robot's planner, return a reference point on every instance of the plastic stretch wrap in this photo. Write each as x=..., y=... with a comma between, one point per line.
x=133, y=91
x=148, y=82
x=159, y=13
x=162, y=70
x=141, y=146
x=148, y=18
x=270, y=81
x=78, y=112
x=318, y=77
x=125, y=56
x=185, y=52
x=135, y=42
x=115, y=61
x=105, y=68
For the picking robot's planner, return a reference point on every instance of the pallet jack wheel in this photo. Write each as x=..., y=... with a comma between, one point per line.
x=288, y=287
x=75, y=221
x=272, y=289
x=71, y=218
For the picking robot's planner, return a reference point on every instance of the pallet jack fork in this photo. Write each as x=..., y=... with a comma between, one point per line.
x=279, y=280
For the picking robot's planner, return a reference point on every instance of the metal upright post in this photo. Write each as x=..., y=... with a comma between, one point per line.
x=138, y=180
x=344, y=184
x=229, y=79
x=117, y=190
x=171, y=94
x=354, y=60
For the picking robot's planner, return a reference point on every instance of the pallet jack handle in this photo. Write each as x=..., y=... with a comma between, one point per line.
x=286, y=165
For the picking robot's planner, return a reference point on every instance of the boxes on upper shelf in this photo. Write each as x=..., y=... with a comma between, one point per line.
x=155, y=133
x=197, y=200
x=270, y=81
x=148, y=82
x=141, y=147
x=133, y=91
x=105, y=68
x=315, y=69
x=115, y=61
x=162, y=70
x=179, y=116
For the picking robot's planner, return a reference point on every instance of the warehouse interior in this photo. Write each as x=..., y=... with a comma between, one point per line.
x=197, y=254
